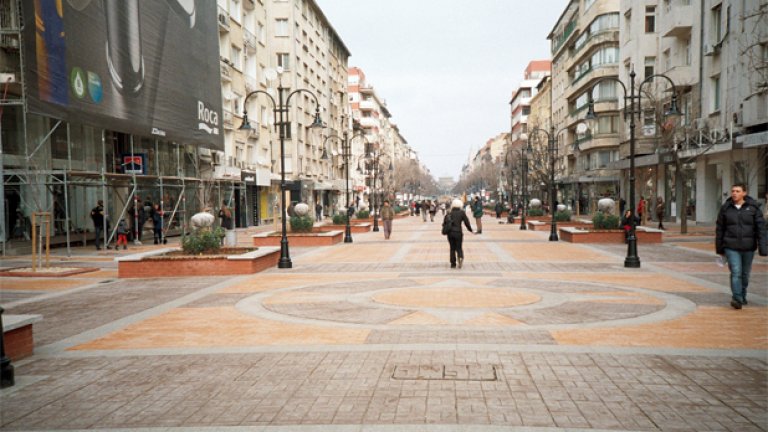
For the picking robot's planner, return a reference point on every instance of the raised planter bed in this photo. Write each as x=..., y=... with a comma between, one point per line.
x=578, y=235
x=46, y=272
x=545, y=226
x=167, y=262
x=315, y=238
x=18, y=335
x=355, y=228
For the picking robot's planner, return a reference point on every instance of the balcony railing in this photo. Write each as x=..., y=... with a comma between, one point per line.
x=560, y=40
x=249, y=40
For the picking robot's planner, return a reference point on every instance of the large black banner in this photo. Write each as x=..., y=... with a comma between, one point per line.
x=147, y=67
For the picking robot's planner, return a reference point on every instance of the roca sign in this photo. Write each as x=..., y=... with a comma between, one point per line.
x=209, y=119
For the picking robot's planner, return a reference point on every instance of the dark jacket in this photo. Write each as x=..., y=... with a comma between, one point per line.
x=457, y=217
x=477, y=208
x=741, y=229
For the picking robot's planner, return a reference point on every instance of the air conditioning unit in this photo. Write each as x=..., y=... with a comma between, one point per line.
x=224, y=19
x=216, y=158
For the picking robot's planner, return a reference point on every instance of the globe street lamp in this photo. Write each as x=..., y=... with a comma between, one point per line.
x=633, y=108
x=280, y=112
x=346, y=153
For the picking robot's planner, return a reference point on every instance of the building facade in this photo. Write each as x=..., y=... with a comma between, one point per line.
x=585, y=49
x=714, y=52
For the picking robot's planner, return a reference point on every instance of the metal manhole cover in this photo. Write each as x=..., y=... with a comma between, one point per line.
x=445, y=372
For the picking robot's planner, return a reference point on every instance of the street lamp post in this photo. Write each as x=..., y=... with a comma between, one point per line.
x=280, y=111
x=632, y=108
x=524, y=182
x=552, y=150
x=375, y=158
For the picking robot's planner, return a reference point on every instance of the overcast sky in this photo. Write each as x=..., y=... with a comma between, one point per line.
x=447, y=68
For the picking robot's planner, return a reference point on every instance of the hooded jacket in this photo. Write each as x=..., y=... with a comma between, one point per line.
x=455, y=218
x=741, y=229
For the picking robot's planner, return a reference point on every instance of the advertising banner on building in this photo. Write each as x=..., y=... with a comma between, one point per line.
x=149, y=68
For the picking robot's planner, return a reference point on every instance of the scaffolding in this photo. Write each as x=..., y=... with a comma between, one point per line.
x=42, y=182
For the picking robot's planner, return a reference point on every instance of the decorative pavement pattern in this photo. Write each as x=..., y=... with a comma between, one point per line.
x=378, y=335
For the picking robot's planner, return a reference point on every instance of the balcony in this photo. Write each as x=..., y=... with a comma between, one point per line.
x=563, y=37
x=678, y=22
x=367, y=105
x=226, y=69
x=251, y=83
x=228, y=119
x=681, y=75
x=643, y=146
x=599, y=141
x=250, y=41
x=368, y=122
x=586, y=79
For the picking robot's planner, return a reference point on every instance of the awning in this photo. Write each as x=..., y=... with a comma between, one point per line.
x=323, y=185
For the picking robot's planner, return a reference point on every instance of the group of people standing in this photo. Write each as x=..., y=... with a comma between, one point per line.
x=141, y=214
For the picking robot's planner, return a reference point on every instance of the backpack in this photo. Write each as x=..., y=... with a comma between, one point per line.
x=447, y=224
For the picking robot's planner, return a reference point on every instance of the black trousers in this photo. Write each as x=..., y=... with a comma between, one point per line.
x=455, y=241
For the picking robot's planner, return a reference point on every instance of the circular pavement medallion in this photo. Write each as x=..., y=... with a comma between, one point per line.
x=447, y=297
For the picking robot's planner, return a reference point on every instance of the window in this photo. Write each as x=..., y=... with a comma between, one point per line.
x=649, y=69
x=716, y=93
x=284, y=61
x=281, y=27
x=526, y=110
x=687, y=49
x=628, y=25
x=235, y=12
x=717, y=23
x=607, y=124
x=650, y=19
x=606, y=90
x=260, y=34
x=608, y=55
x=604, y=22
x=236, y=57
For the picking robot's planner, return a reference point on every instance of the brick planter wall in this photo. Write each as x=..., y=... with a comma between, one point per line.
x=154, y=266
x=613, y=236
x=18, y=335
x=300, y=240
x=354, y=229
x=546, y=226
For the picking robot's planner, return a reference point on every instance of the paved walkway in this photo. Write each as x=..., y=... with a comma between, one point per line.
x=382, y=335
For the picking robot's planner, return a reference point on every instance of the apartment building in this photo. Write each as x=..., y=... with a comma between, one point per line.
x=267, y=44
x=585, y=49
x=714, y=54
x=520, y=104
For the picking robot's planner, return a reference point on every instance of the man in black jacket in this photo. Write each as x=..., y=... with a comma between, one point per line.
x=740, y=231
x=454, y=219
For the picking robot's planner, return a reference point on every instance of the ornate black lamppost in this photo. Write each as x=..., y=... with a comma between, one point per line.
x=633, y=108
x=525, y=153
x=374, y=158
x=280, y=111
x=346, y=153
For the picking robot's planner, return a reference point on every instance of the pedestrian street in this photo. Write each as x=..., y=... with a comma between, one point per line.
x=382, y=335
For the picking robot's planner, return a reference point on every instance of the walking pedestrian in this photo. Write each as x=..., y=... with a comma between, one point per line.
x=442, y=208
x=477, y=212
x=641, y=210
x=157, y=224
x=740, y=231
x=660, y=210
x=424, y=210
x=432, y=210
x=452, y=228
x=99, y=223
x=387, y=215
x=122, y=234
x=499, y=207
x=318, y=211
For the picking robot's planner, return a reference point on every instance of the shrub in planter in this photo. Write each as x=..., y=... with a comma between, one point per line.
x=203, y=241
x=339, y=219
x=363, y=214
x=563, y=216
x=535, y=212
x=605, y=221
x=302, y=224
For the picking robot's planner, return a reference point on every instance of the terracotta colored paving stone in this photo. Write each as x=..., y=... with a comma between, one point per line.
x=438, y=252
x=553, y=252
x=651, y=281
x=218, y=327
x=709, y=267
x=456, y=297
x=40, y=284
x=266, y=281
x=625, y=297
x=355, y=253
x=419, y=318
x=701, y=246
x=100, y=274
x=707, y=327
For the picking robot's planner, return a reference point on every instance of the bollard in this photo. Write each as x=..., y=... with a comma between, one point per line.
x=6, y=368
